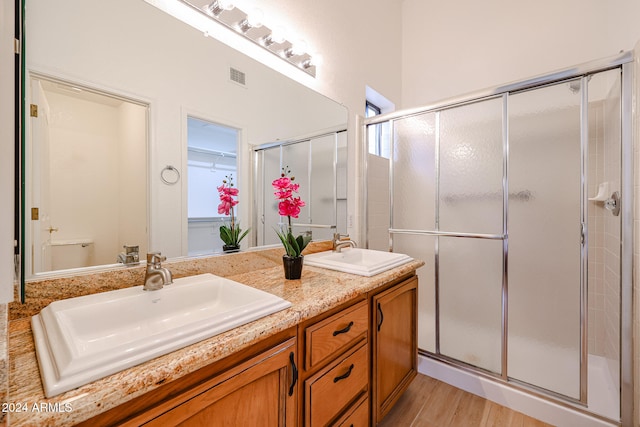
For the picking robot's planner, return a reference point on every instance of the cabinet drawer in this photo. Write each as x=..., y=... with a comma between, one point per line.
x=359, y=417
x=331, y=390
x=335, y=334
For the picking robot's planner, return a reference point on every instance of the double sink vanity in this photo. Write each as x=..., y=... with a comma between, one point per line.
x=230, y=341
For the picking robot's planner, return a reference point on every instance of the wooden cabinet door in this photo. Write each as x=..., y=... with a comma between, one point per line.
x=259, y=392
x=395, y=350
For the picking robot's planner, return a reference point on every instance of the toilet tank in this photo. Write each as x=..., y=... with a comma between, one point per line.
x=74, y=253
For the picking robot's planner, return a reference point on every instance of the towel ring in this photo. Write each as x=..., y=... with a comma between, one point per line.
x=170, y=175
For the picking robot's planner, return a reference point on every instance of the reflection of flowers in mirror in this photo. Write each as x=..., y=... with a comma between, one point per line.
x=289, y=205
x=230, y=234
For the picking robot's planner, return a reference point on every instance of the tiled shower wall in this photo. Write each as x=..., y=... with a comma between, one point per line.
x=612, y=224
x=596, y=213
x=604, y=232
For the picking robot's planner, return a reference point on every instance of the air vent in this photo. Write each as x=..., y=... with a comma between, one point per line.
x=237, y=76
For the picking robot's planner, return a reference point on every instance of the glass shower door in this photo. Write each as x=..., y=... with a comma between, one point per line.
x=546, y=230
x=267, y=169
x=414, y=208
x=323, y=187
x=470, y=213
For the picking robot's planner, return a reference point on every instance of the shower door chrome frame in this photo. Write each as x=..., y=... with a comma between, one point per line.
x=505, y=233
x=624, y=61
x=626, y=250
x=584, y=240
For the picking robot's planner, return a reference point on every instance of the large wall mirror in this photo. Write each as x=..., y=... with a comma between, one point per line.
x=133, y=104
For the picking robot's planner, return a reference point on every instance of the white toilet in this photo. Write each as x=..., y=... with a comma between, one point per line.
x=67, y=254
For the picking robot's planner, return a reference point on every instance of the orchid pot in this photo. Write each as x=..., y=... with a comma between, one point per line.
x=292, y=267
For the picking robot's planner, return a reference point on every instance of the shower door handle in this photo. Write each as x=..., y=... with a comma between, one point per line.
x=583, y=233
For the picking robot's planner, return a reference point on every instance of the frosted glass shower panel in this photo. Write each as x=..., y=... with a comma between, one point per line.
x=471, y=168
x=422, y=247
x=470, y=289
x=341, y=184
x=323, y=179
x=414, y=167
x=295, y=158
x=269, y=169
x=544, y=238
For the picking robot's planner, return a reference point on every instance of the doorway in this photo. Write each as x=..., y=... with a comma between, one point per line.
x=211, y=159
x=86, y=176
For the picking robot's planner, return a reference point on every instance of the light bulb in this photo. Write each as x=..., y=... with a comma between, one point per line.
x=255, y=18
x=299, y=47
x=316, y=60
x=226, y=4
x=278, y=35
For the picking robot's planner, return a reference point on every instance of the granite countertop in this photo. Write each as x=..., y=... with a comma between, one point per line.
x=317, y=291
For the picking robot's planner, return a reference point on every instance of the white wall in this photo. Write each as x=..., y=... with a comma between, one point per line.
x=455, y=47
x=132, y=177
x=83, y=163
x=97, y=174
x=7, y=150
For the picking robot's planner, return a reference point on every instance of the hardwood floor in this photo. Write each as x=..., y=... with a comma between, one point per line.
x=432, y=403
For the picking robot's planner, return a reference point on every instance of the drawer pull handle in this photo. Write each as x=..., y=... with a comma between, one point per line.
x=294, y=373
x=344, y=330
x=344, y=376
x=381, y=317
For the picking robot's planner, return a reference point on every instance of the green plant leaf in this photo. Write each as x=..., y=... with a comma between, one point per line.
x=243, y=234
x=303, y=241
x=225, y=235
x=294, y=244
x=285, y=242
x=232, y=236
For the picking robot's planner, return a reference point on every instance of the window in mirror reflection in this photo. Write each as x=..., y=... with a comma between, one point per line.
x=86, y=192
x=211, y=155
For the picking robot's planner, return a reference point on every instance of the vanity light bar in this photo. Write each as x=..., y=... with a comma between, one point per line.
x=250, y=26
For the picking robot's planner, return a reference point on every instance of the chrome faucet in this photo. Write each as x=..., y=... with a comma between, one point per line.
x=156, y=276
x=339, y=243
x=129, y=256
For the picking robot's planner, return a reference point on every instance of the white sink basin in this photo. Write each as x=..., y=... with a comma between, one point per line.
x=79, y=340
x=364, y=262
